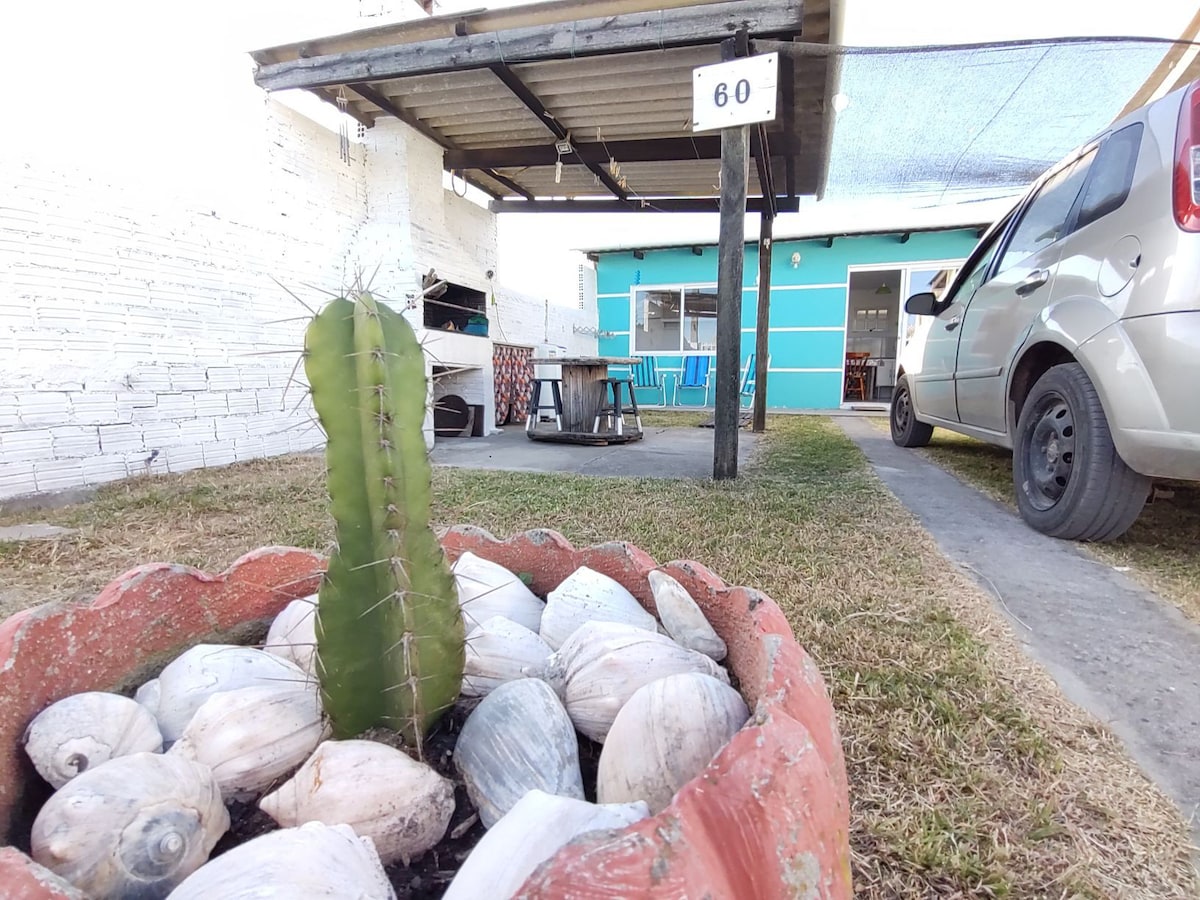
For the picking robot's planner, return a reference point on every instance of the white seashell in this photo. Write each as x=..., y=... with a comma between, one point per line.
x=148, y=696
x=487, y=589
x=134, y=826
x=664, y=736
x=314, y=860
x=682, y=618
x=517, y=739
x=602, y=665
x=403, y=805
x=588, y=596
x=293, y=634
x=206, y=669
x=498, y=651
x=82, y=731
x=532, y=831
x=253, y=736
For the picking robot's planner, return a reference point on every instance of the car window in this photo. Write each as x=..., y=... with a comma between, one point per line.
x=966, y=287
x=1045, y=219
x=1112, y=175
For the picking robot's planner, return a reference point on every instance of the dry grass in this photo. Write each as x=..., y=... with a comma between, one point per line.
x=1159, y=550
x=971, y=776
x=674, y=418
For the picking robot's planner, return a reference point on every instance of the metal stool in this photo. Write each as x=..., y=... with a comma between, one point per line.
x=535, y=406
x=612, y=409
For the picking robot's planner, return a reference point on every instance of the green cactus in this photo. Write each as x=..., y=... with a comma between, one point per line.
x=390, y=645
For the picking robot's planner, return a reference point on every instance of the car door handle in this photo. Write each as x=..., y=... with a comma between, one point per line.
x=1033, y=281
x=954, y=323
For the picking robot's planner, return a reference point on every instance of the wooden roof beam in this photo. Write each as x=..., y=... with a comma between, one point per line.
x=705, y=146
x=522, y=92
x=686, y=26
x=668, y=204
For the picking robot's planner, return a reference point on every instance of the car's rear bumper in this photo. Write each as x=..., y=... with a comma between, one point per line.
x=1147, y=371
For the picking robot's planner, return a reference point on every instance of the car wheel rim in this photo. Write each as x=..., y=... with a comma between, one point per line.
x=901, y=411
x=1050, y=452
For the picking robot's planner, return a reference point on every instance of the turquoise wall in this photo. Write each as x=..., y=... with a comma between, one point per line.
x=813, y=296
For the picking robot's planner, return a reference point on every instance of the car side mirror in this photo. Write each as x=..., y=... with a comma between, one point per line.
x=921, y=304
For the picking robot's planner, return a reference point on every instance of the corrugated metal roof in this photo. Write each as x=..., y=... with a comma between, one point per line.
x=461, y=91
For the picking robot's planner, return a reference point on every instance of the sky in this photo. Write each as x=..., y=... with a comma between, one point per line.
x=140, y=83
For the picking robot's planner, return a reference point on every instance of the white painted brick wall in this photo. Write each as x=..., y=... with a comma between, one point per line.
x=138, y=315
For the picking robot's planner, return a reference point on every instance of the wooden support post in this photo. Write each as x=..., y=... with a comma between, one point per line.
x=763, y=322
x=735, y=171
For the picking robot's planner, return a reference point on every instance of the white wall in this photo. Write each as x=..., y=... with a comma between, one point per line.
x=141, y=233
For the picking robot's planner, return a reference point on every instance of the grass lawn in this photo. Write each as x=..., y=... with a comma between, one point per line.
x=971, y=776
x=1160, y=550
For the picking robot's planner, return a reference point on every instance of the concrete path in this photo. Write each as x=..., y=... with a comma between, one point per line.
x=662, y=453
x=1115, y=648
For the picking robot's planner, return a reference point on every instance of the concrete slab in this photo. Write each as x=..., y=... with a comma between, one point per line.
x=34, y=532
x=1114, y=647
x=662, y=453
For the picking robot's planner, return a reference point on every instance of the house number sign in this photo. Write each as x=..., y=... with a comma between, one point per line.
x=738, y=92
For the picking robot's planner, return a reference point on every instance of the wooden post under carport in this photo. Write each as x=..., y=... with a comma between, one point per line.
x=763, y=320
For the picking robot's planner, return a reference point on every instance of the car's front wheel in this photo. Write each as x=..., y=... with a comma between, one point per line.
x=1070, y=481
x=907, y=430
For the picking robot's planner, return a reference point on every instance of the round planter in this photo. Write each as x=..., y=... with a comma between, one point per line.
x=768, y=818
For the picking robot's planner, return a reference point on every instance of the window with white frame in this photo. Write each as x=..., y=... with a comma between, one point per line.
x=675, y=319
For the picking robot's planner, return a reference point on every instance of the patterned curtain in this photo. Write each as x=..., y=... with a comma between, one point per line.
x=514, y=377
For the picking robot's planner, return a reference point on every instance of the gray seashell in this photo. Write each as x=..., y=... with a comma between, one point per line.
x=293, y=636
x=589, y=596
x=683, y=619
x=403, y=805
x=517, y=739
x=532, y=831
x=499, y=651
x=133, y=827
x=84, y=730
x=664, y=736
x=314, y=860
x=207, y=669
x=254, y=736
x=487, y=589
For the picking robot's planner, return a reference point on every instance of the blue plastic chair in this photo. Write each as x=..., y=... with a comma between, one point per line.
x=749, y=376
x=645, y=375
x=694, y=375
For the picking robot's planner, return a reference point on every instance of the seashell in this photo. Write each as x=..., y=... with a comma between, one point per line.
x=603, y=663
x=133, y=827
x=206, y=669
x=664, y=736
x=148, y=696
x=82, y=731
x=253, y=736
x=682, y=618
x=517, y=739
x=588, y=596
x=403, y=805
x=532, y=831
x=293, y=634
x=314, y=860
x=487, y=589
x=498, y=651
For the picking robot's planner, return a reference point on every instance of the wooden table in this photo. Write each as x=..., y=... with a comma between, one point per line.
x=583, y=389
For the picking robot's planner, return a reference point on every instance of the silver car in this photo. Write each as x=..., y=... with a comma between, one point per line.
x=1072, y=333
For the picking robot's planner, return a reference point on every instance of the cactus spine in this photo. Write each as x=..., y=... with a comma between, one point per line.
x=390, y=645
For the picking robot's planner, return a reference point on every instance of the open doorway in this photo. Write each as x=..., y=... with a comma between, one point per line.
x=872, y=335
x=877, y=328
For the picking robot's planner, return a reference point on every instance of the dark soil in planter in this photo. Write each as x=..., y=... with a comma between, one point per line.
x=428, y=877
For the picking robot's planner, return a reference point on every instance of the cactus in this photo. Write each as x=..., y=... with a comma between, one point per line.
x=390, y=645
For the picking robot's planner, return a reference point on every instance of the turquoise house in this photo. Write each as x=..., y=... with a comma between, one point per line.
x=836, y=325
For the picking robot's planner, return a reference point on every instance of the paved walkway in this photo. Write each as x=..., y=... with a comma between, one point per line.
x=1115, y=648
x=662, y=453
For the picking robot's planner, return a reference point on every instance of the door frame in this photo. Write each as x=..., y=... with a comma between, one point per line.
x=905, y=270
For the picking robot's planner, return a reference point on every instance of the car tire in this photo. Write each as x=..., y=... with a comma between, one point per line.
x=907, y=429
x=1070, y=481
